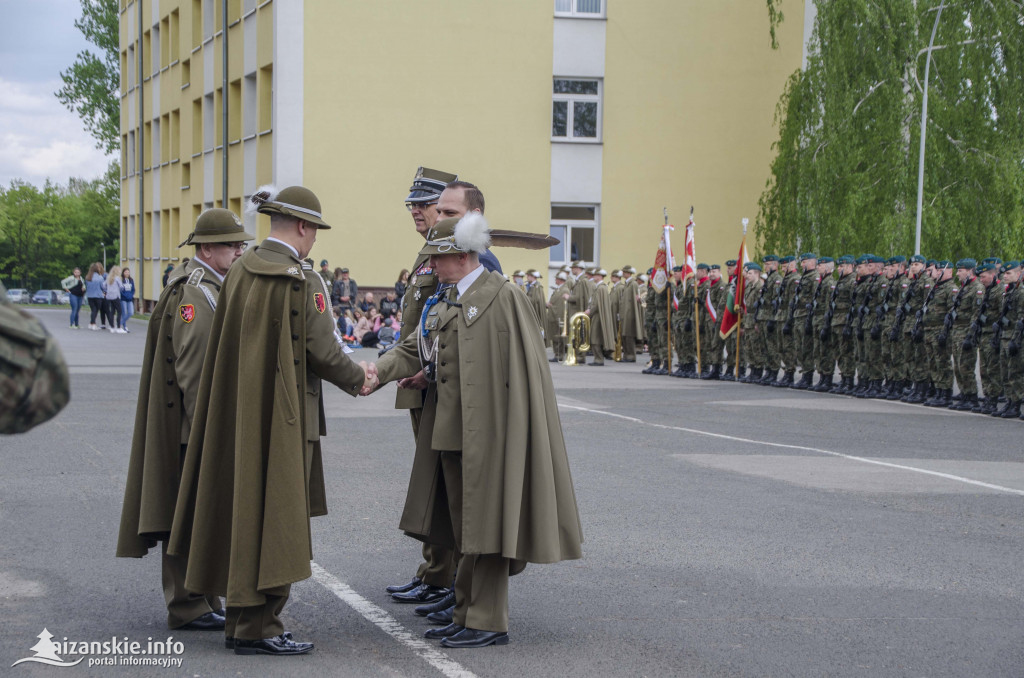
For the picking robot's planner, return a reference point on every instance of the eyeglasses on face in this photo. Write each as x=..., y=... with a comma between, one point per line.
x=419, y=205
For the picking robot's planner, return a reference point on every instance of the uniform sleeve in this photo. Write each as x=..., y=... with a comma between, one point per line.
x=323, y=346
x=190, y=340
x=401, y=361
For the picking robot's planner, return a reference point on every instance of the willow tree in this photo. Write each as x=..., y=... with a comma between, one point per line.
x=844, y=178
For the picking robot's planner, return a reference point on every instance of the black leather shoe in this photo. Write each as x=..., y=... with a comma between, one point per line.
x=445, y=632
x=440, y=606
x=424, y=593
x=229, y=642
x=211, y=621
x=278, y=645
x=445, y=616
x=473, y=638
x=404, y=588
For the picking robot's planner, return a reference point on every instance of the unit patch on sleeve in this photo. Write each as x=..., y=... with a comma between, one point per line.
x=319, y=302
x=187, y=312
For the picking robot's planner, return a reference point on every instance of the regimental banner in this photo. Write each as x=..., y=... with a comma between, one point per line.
x=663, y=261
x=734, y=304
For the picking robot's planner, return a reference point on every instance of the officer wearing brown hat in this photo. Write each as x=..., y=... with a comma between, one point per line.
x=250, y=486
x=176, y=340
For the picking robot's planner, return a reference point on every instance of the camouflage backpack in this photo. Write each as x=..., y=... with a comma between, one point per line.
x=33, y=375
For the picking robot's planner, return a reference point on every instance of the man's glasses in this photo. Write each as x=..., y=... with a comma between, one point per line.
x=240, y=246
x=419, y=205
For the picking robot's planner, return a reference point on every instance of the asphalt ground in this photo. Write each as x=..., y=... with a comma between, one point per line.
x=731, y=530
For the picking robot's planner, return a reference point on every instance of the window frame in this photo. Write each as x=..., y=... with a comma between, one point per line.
x=582, y=224
x=574, y=13
x=570, y=99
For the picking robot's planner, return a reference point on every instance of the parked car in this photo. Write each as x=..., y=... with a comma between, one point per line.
x=63, y=297
x=18, y=295
x=46, y=297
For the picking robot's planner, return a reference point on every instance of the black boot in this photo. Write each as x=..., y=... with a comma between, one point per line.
x=768, y=378
x=655, y=364
x=728, y=373
x=917, y=396
x=787, y=379
x=987, y=405
x=895, y=391
x=966, y=402
x=930, y=391
x=839, y=386
x=1010, y=411
x=874, y=388
x=714, y=372
x=824, y=384
x=755, y=375
x=941, y=398
x=662, y=368
x=806, y=379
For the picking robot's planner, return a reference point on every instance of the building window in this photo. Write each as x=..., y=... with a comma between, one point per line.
x=576, y=227
x=576, y=110
x=580, y=8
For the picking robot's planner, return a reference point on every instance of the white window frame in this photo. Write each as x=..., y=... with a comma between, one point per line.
x=576, y=14
x=570, y=99
x=569, y=224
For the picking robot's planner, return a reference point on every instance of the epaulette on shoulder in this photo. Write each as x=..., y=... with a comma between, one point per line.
x=196, y=277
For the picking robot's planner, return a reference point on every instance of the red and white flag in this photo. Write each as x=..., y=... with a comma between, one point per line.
x=663, y=260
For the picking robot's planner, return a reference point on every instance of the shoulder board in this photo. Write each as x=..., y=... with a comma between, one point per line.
x=196, y=276
x=196, y=279
x=306, y=266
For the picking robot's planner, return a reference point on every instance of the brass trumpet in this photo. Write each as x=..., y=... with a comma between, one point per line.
x=579, y=339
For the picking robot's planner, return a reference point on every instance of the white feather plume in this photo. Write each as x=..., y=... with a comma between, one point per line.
x=472, y=234
x=261, y=195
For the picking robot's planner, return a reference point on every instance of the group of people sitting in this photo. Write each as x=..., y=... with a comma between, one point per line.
x=364, y=321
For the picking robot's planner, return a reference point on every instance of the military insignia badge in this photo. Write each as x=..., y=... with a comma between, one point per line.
x=319, y=302
x=292, y=270
x=187, y=312
x=471, y=312
x=417, y=295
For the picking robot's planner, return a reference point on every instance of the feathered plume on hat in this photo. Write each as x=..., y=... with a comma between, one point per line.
x=261, y=195
x=472, y=234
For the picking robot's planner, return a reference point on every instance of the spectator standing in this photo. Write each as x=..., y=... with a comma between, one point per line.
x=325, y=273
x=389, y=306
x=346, y=290
x=167, y=272
x=74, y=285
x=402, y=285
x=112, y=300
x=335, y=301
x=368, y=302
x=94, y=292
x=126, y=287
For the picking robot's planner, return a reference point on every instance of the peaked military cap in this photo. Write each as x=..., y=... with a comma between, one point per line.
x=295, y=201
x=825, y=260
x=966, y=263
x=918, y=259
x=730, y=262
x=770, y=257
x=808, y=255
x=428, y=184
x=628, y=269
x=217, y=225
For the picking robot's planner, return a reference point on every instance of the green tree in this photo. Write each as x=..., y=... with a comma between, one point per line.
x=844, y=178
x=92, y=83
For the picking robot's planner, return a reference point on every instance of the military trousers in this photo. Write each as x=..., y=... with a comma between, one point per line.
x=824, y=351
x=661, y=329
x=711, y=348
x=915, y=358
x=1013, y=381
x=749, y=346
x=255, y=622
x=940, y=364
x=183, y=606
x=845, y=350
x=438, y=565
x=773, y=348
x=965, y=362
x=558, y=346
x=597, y=348
x=628, y=349
x=991, y=380
x=481, y=585
x=788, y=347
x=890, y=358
x=804, y=344
x=873, y=356
x=761, y=346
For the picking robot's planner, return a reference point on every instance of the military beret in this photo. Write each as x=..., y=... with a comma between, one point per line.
x=966, y=263
x=985, y=266
x=992, y=260
x=931, y=262
x=752, y=266
x=770, y=257
x=677, y=269
x=875, y=259
x=786, y=259
x=650, y=271
x=323, y=262
x=917, y=259
x=862, y=259
x=704, y=266
x=898, y=259
x=1010, y=265
x=716, y=267
x=846, y=259
x=826, y=260
x=944, y=263
x=808, y=255
x=731, y=262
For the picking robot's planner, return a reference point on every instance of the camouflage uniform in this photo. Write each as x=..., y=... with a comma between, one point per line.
x=965, y=360
x=765, y=331
x=784, y=324
x=1011, y=357
x=824, y=347
x=891, y=352
x=986, y=309
x=715, y=295
x=750, y=353
x=913, y=357
x=841, y=302
x=803, y=335
x=940, y=365
x=683, y=327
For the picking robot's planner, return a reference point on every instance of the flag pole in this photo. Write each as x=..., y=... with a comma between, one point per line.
x=696, y=304
x=739, y=302
x=668, y=299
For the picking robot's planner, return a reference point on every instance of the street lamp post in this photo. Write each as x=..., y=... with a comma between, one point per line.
x=924, y=120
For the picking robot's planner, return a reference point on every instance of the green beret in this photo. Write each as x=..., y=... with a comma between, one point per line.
x=898, y=259
x=650, y=271
x=786, y=259
x=731, y=262
x=323, y=262
x=992, y=260
x=863, y=259
x=932, y=262
x=716, y=267
x=846, y=259
x=770, y=257
x=826, y=260
x=752, y=266
x=704, y=266
x=917, y=259
x=985, y=266
x=808, y=255
x=967, y=263
x=875, y=259
x=677, y=269
x=944, y=264
x=1010, y=265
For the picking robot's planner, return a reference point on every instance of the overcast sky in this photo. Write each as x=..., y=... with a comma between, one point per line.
x=39, y=138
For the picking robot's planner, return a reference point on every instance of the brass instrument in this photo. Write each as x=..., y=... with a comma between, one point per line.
x=578, y=340
x=617, y=356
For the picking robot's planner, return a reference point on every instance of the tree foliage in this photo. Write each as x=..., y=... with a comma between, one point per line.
x=44, y=233
x=844, y=178
x=92, y=83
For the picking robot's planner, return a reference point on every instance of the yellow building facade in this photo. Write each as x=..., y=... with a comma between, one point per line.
x=582, y=118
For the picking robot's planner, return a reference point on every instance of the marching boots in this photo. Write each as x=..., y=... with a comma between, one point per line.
x=768, y=378
x=966, y=403
x=728, y=373
x=840, y=386
x=986, y=406
x=895, y=390
x=1010, y=411
x=714, y=372
x=917, y=396
x=930, y=391
x=862, y=387
x=787, y=379
x=662, y=368
x=941, y=398
x=874, y=388
x=824, y=384
x=806, y=379
x=754, y=377
x=655, y=364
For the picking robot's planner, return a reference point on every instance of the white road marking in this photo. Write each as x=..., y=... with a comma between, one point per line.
x=389, y=625
x=878, y=462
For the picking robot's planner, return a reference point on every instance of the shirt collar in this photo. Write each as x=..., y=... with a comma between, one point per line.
x=218, y=276
x=294, y=251
x=464, y=284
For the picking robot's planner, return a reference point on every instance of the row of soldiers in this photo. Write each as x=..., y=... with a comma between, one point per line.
x=896, y=328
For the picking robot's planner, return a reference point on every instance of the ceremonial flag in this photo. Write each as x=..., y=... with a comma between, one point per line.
x=690, y=258
x=663, y=261
x=734, y=304
x=709, y=307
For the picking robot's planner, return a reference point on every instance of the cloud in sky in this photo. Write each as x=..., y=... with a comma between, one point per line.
x=39, y=138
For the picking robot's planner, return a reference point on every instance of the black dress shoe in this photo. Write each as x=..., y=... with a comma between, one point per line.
x=443, y=617
x=278, y=645
x=229, y=642
x=473, y=638
x=440, y=606
x=211, y=621
x=404, y=588
x=424, y=593
x=450, y=630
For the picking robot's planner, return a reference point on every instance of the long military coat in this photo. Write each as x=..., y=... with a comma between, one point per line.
x=518, y=497
x=176, y=340
x=630, y=310
x=602, y=322
x=253, y=473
